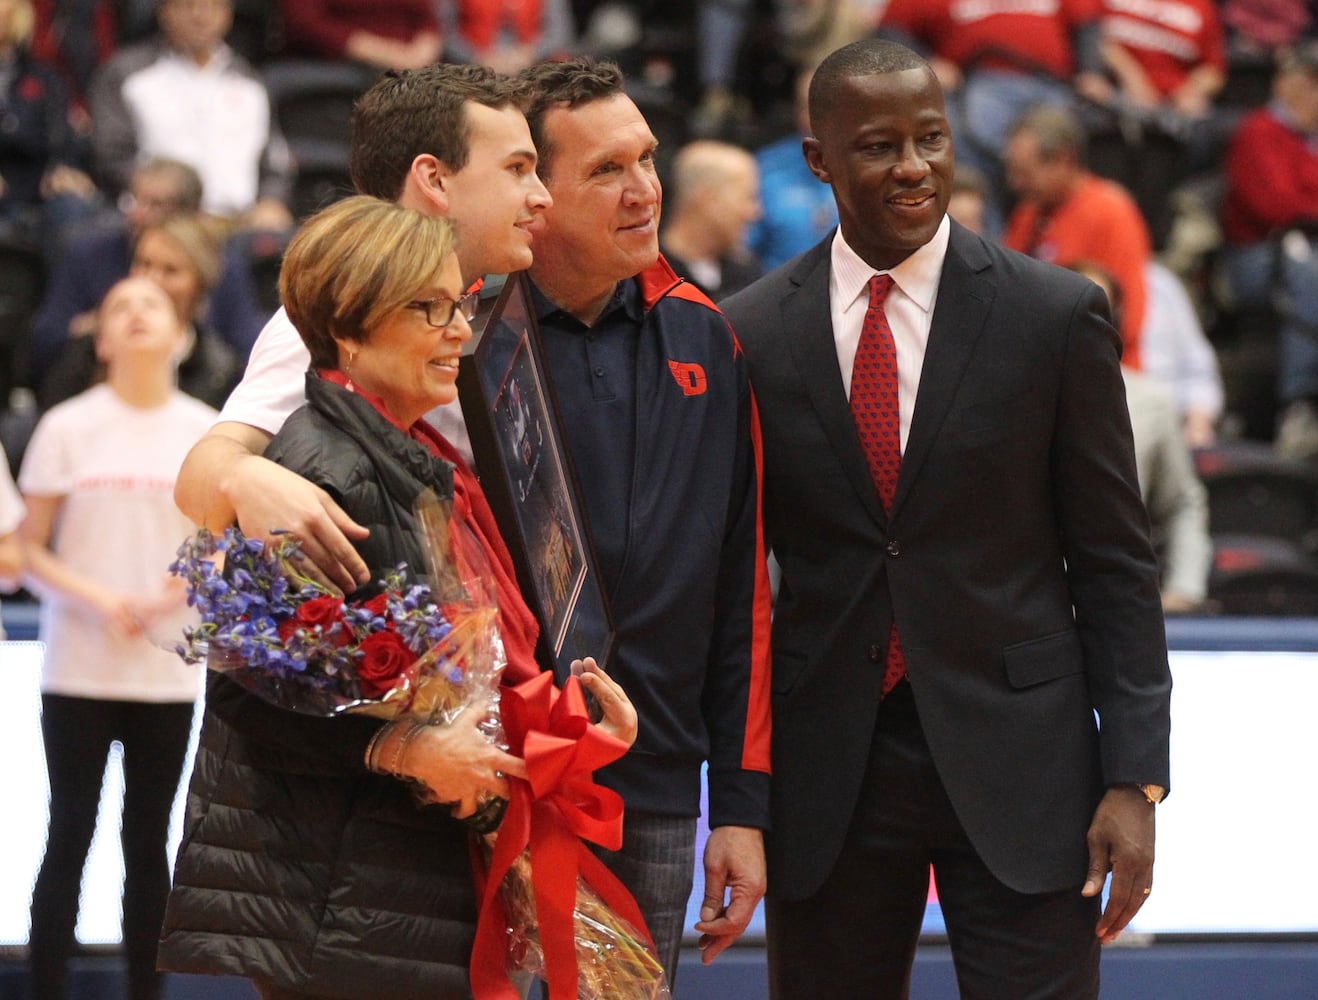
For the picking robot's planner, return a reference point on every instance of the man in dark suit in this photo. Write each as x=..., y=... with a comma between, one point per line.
x=995, y=569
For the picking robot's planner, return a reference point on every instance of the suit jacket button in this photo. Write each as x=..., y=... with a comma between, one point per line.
x=876, y=653
x=894, y=548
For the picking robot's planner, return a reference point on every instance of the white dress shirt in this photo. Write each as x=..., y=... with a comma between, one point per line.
x=909, y=308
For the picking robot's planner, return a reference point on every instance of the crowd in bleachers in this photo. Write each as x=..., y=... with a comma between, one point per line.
x=1169, y=146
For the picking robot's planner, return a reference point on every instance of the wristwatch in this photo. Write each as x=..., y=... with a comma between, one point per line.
x=1154, y=793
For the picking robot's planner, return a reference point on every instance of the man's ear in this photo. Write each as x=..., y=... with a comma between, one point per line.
x=427, y=185
x=814, y=158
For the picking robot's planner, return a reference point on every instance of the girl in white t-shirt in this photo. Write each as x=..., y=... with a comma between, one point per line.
x=100, y=531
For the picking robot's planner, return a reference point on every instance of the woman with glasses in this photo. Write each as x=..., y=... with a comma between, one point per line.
x=306, y=864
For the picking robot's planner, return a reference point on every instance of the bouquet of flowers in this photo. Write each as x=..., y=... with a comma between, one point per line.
x=274, y=630
x=428, y=649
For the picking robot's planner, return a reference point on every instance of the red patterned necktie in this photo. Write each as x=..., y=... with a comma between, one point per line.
x=878, y=424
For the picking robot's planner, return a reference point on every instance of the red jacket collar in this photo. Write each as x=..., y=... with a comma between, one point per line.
x=660, y=281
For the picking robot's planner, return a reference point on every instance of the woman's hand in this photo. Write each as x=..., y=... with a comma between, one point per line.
x=619, y=713
x=456, y=762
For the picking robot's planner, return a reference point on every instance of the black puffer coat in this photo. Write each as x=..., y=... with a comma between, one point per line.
x=297, y=865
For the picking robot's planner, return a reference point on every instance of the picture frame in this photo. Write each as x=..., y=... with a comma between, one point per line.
x=517, y=440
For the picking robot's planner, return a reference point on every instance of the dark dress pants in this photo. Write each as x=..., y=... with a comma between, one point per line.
x=855, y=938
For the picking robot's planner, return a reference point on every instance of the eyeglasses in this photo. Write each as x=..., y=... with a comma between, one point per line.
x=441, y=312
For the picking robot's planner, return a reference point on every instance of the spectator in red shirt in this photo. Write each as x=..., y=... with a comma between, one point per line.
x=507, y=37
x=1169, y=54
x=1270, y=224
x=1265, y=25
x=400, y=34
x=1154, y=124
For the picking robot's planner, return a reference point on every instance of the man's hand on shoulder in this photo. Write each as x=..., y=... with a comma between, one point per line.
x=734, y=885
x=270, y=499
x=224, y=479
x=1121, y=841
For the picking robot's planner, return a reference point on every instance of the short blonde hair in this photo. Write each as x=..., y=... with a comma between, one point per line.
x=199, y=242
x=354, y=263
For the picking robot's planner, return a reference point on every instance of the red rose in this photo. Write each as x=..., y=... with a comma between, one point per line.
x=377, y=604
x=384, y=658
x=322, y=611
x=287, y=627
x=325, y=612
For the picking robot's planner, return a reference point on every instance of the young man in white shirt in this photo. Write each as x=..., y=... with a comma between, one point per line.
x=445, y=140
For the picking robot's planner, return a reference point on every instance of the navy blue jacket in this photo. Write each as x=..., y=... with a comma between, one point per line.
x=34, y=132
x=687, y=578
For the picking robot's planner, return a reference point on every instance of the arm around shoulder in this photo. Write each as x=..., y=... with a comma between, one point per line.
x=225, y=480
x=212, y=468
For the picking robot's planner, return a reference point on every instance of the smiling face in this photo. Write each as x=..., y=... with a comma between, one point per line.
x=604, y=223
x=408, y=363
x=137, y=319
x=886, y=150
x=495, y=197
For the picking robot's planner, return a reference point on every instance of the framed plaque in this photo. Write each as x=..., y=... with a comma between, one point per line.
x=524, y=468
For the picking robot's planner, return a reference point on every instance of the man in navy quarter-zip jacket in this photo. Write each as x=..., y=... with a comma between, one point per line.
x=661, y=427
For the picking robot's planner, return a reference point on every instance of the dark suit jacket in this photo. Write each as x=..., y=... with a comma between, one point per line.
x=1016, y=563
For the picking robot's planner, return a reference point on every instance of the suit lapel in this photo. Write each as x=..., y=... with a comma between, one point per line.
x=810, y=343
x=962, y=307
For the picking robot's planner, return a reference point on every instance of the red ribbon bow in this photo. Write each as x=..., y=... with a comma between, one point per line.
x=551, y=812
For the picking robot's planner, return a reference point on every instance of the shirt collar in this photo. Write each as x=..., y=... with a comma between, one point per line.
x=917, y=276
x=626, y=297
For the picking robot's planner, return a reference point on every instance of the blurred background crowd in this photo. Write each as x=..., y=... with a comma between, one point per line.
x=1166, y=148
